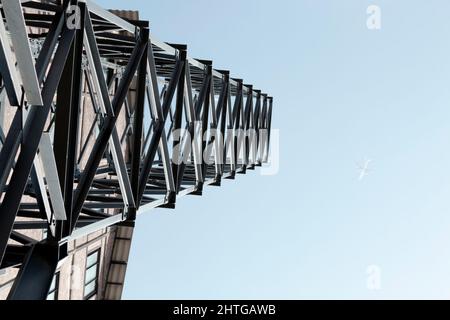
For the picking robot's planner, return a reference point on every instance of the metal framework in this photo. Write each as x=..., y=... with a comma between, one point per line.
x=54, y=63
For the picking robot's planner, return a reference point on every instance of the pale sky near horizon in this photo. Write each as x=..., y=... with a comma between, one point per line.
x=343, y=95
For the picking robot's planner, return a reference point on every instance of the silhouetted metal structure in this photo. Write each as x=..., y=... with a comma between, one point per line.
x=52, y=177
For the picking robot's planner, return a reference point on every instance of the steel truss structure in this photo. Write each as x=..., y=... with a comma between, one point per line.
x=52, y=177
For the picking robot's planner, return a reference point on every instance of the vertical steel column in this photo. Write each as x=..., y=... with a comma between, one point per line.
x=257, y=126
x=237, y=125
x=35, y=276
x=246, y=125
x=178, y=116
x=264, y=138
x=66, y=124
x=193, y=115
x=223, y=110
x=214, y=141
x=136, y=157
x=269, y=128
x=205, y=115
x=157, y=115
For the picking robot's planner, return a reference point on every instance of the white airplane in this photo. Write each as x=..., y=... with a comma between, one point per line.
x=364, y=170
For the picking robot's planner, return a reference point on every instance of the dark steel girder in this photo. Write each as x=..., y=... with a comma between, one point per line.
x=119, y=160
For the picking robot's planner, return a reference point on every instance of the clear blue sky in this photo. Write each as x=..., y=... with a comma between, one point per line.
x=343, y=94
